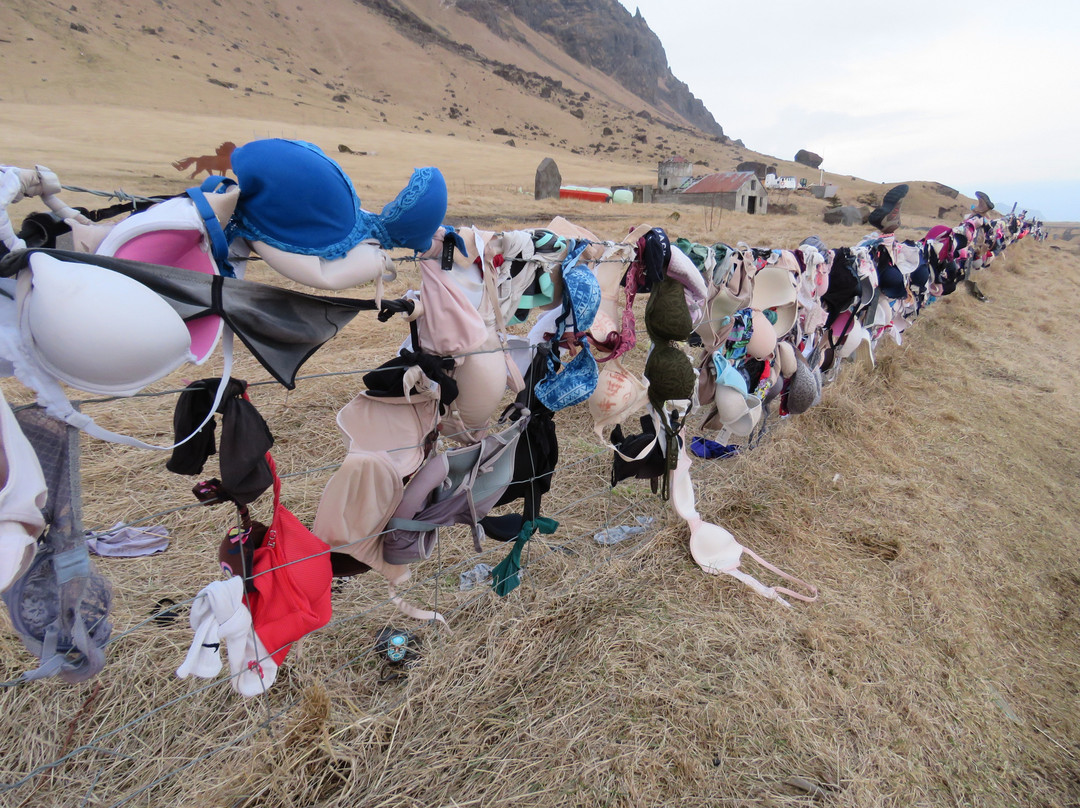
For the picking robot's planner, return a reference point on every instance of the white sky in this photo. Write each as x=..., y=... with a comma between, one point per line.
x=981, y=95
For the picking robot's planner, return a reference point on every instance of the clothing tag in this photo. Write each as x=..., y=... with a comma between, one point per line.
x=448, y=254
x=723, y=436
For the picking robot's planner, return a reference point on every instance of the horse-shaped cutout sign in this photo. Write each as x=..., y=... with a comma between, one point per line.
x=219, y=162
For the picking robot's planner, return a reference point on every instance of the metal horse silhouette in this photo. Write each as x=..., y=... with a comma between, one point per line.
x=219, y=162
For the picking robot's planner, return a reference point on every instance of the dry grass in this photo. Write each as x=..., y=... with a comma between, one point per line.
x=931, y=501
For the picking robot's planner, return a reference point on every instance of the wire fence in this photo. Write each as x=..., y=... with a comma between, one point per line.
x=109, y=742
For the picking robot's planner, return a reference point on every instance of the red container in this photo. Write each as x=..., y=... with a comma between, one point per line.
x=588, y=194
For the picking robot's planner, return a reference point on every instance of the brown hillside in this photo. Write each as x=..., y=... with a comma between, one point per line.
x=164, y=70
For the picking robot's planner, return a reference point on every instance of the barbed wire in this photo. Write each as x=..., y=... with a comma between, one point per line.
x=99, y=532
x=506, y=349
x=544, y=548
x=94, y=744
x=481, y=594
x=120, y=194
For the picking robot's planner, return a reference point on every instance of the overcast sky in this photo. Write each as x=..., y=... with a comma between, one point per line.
x=981, y=95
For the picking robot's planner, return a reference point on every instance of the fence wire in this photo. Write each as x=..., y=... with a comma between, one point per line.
x=108, y=742
x=99, y=742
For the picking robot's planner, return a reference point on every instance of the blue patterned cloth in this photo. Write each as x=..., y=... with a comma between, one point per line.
x=578, y=378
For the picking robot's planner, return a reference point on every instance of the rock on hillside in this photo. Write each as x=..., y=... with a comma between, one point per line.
x=808, y=158
x=604, y=35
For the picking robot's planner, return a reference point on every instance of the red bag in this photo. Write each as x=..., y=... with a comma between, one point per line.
x=292, y=577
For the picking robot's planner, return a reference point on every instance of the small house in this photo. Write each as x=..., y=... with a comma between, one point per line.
x=730, y=190
x=674, y=174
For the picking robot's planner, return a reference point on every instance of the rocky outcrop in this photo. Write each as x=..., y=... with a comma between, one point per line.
x=846, y=214
x=808, y=158
x=752, y=165
x=548, y=180
x=945, y=190
x=604, y=35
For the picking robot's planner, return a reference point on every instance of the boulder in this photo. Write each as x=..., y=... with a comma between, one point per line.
x=548, y=180
x=847, y=214
x=752, y=165
x=783, y=209
x=945, y=190
x=808, y=158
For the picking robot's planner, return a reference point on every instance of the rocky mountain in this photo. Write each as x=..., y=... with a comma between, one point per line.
x=582, y=78
x=604, y=35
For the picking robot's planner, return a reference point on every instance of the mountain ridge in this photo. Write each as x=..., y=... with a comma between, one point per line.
x=604, y=35
x=426, y=65
x=362, y=69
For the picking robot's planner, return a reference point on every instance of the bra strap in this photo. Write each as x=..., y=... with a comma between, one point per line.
x=219, y=245
x=87, y=424
x=782, y=589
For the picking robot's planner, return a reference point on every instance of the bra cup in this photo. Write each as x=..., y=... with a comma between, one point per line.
x=670, y=374
x=920, y=276
x=785, y=357
x=181, y=249
x=733, y=296
x=440, y=493
x=392, y=425
x=709, y=335
x=481, y=379
x=667, y=317
x=497, y=465
x=450, y=324
x=744, y=426
x=618, y=394
x=571, y=385
x=682, y=269
x=584, y=291
x=736, y=412
x=891, y=281
x=173, y=234
x=730, y=403
x=714, y=548
x=100, y=331
x=423, y=486
x=763, y=339
x=773, y=289
x=603, y=326
x=364, y=263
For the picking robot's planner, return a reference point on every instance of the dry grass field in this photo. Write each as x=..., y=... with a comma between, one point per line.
x=932, y=501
